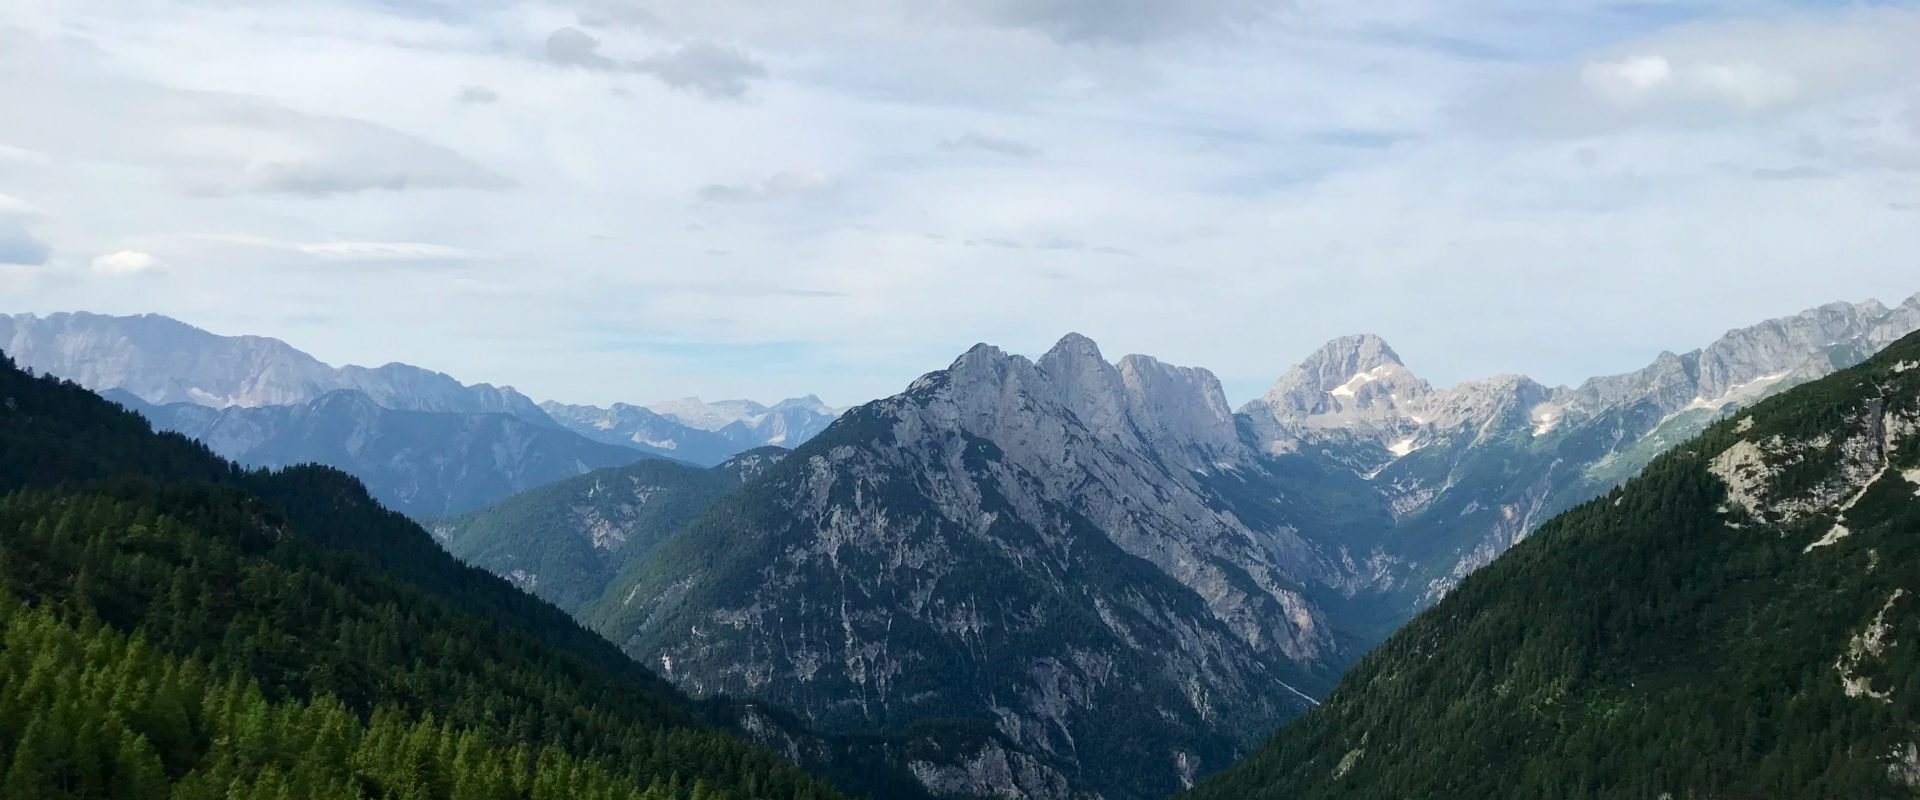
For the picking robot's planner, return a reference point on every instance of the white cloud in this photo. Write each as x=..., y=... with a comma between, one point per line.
x=21, y=155
x=339, y=250
x=1743, y=85
x=1629, y=79
x=214, y=142
x=124, y=262
x=1720, y=73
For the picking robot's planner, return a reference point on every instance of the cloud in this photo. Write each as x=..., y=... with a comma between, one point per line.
x=1124, y=21
x=1063, y=244
x=712, y=69
x=19, y=247
x=1629, y=79
x=387, y=251
x=477, y=95
x=1799, y=173
x=617, y=14
x=708, y=68
x=124, y=262
x=572, y=47
x=1717, y=72
x=218, y=143
x=342, y=250
x=777, y=186
x=979, y=142
x=21, y=155
x=1641, y=79
x=359, y=172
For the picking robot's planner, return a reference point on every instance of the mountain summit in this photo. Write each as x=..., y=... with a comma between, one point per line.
x=1355, y=382
x=1030, y=542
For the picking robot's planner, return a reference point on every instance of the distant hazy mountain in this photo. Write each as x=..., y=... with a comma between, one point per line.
x=695, y=431
x=162, y=360
x=637, y=427
x=424, y=464
x=1739, y=621
x=261, y=401
x=788, y=423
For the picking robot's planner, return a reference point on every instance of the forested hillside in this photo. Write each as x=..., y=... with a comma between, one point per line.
x=1739, y=621
x=565, y=541
x=177, y=627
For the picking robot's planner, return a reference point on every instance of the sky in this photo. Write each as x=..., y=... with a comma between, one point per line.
x=621, y=200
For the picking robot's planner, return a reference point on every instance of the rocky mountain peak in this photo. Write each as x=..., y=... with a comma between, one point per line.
x=1180, y=407
x=984, y=363
x=1073, y=346
x=1347, y=355
x=1352, y=380
x=1180, y=412
x=1501, y=401
x=810, y=402
x=1087, y=385
x=1752, y=362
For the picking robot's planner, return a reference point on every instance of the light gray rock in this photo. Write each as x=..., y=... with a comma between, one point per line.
x=1476, y=466
x=1048, y=539
x=162, y=361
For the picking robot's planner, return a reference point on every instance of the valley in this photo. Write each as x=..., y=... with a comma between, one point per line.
x=1053, y=578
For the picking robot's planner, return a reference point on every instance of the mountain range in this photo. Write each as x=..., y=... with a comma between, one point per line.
x=1153, y=555
x=162, y=361
x=1068, y=578
x=425, y=464
x=697, y=432
x=1737, y=621
x=423, y=442
x=179, y=627
x=1468, y=471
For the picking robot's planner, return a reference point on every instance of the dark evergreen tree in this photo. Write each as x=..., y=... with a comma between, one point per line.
x=175, y=627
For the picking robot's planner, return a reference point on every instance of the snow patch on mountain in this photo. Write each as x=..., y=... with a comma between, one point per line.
x=1347, y=389
x=1741, y=393
x=1546, y=417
